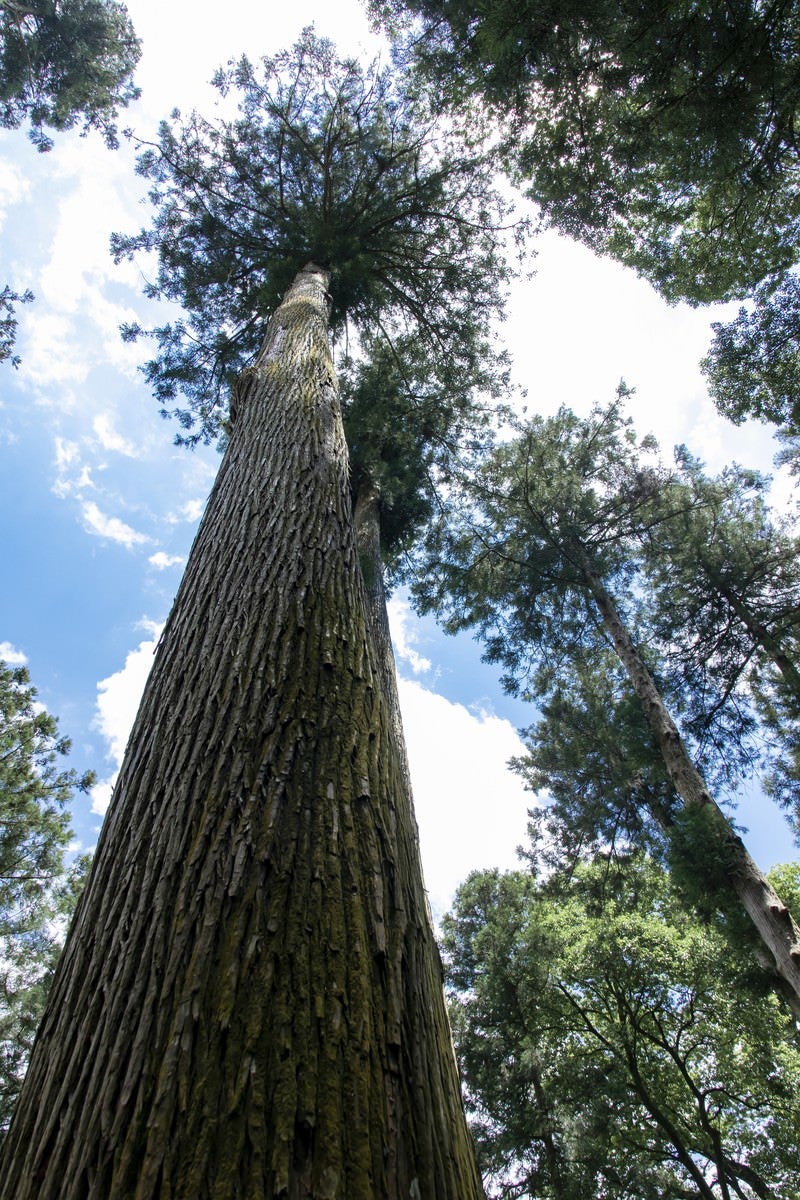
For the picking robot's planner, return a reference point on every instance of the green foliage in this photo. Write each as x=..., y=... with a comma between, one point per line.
x=724, y=575
x=666, y=138
x=785, y=878
x=408, y=415
x=36, y=892
x=571, y=520
x=327, y=163
x=502, y=556
x=699, y=567
x=753, y=366
x=8, y=322
x=63, y=62
x=612, y=1046
x=591, y=753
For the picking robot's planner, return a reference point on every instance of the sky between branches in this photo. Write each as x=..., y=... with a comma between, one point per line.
x=99, y=509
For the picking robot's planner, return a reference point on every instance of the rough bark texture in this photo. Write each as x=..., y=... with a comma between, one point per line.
x=249, y=1004
x=772, y=919
x=367, y=523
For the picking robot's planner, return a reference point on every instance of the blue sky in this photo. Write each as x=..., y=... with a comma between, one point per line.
x=98, y=508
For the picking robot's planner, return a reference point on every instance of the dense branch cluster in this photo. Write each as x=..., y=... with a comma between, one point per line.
x=330, y=163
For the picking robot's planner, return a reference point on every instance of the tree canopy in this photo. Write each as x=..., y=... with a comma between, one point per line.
x=612, y=1045
x=753, y=364
x=65, y=62
x=667, y=137
x=331, y=163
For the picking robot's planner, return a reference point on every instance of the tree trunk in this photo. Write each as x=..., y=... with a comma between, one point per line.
x=249, y=1004
x=772, y=919
x=367, y=524
x=761, y=635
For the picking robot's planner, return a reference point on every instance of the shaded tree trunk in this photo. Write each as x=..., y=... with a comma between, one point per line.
x=770, y=916
x=250, y=1002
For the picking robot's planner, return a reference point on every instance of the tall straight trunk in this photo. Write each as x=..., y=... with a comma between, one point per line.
x=778, y=931
x=249, y=1004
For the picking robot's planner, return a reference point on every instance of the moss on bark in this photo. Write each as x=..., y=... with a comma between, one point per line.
x=249, y=1003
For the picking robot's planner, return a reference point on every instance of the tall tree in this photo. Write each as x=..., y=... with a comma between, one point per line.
x=250, y=1000
x=35, y=891
x=611, y=1043
x=537, y=551
x=724, y=576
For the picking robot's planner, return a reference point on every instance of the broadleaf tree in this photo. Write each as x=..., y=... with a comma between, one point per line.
x=612, y=1044
x=250, y=999
x=537, y=550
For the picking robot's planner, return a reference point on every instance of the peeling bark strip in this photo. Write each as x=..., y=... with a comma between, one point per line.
x=249, y=1004
x=770, y=916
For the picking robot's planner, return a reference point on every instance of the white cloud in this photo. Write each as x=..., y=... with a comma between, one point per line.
x=110, y=527
x=471, y=811
x=192, y=510
x=110, y=439
x=118, y=699
x=52, y=355
x=162, y=561
x=101, y=794
x=404, y=636
x=11, y=655
x=66, y=453
x=14, y=187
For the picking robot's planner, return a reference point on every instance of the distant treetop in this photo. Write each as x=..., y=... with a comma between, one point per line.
x=63, y=62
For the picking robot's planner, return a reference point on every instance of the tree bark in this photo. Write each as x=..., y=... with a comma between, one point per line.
x=249, y=1004
x=770, y=916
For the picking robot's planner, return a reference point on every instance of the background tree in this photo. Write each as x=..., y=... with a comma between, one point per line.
x=250, y=1000
x=9, y=320
x=537, y=549
x=753, y=365
x=723, y=570
x=36, y=889
x=605, y=1049
x=63, y=62
x=667, y=139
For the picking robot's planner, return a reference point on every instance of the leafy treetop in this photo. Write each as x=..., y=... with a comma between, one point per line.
x=327, y=162
x=612, y=1045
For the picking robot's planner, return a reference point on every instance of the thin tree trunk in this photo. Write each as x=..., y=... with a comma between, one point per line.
x=249, y=1004
x=762, y=636
x=772, y=919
